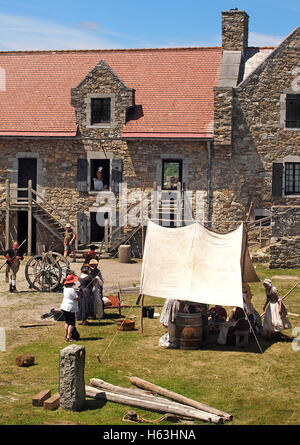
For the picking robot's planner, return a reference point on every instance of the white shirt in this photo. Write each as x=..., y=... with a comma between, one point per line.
x=68, y=303
x=98, y=184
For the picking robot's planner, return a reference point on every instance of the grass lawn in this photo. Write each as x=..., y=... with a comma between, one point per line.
x=257, y=389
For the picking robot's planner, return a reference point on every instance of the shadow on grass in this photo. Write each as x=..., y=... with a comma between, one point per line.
x=90, y=338
x=265, y=344
x=93, y=404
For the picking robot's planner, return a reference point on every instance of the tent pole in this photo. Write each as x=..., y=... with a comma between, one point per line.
x=142, y=305
x=251, y=328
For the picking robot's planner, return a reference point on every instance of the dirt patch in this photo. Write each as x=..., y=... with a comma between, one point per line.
x=26, y=306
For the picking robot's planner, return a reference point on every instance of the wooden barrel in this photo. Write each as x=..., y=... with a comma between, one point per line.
x=124, y=253
x=188, y=330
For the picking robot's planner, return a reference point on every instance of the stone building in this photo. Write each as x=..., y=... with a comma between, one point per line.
x=219, y=122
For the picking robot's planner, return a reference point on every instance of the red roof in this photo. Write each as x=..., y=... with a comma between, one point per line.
x=174, y=88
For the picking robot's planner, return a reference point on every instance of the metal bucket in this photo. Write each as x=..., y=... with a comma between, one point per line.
x=188, y=330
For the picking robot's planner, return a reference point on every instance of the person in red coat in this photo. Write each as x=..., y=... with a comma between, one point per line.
x=13, y=260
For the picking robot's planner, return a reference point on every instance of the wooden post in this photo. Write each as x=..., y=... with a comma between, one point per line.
x=106, y=234
x=7, y=220
x=142, y=218
x=179, y=217
x=29, y=232
x=142, y=305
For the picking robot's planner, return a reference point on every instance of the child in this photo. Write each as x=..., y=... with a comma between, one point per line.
x=69, y=305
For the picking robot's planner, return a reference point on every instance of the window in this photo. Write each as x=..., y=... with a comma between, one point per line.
x=100, y=110
x=292, y=119
x=100, y=173
x=292, y=178
x=171, y=174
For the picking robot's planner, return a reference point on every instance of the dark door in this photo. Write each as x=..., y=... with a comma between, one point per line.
x=97, y=228
x=27, y=169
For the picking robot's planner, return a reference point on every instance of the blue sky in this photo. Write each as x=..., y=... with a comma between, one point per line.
x=88, y=24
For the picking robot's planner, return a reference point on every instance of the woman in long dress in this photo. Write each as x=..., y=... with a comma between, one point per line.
x=97, y=289
x=86, y=302
x=276, y=314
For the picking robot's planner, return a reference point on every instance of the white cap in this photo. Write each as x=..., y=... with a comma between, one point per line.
x=100, y=169
x=68, y=225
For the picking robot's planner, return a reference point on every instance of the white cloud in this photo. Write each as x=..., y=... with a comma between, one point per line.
x=23, y=33
x=90, y=26
x=257, y=39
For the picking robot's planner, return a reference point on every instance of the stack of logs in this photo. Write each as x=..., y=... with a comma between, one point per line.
x=180, y=406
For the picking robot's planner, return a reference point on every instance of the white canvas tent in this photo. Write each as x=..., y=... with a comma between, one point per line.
x=195, y=264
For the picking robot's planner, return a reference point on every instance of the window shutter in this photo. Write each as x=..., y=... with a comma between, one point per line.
x=116, y=175
x=277, y=176
x=82, y=170
x=82, y=228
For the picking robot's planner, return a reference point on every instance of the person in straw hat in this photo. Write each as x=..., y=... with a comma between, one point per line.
x=97, y=288
x=276, y=314
x=69, y=242
x=69, y=305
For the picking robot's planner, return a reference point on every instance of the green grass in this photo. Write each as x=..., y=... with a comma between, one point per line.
x=257, y=389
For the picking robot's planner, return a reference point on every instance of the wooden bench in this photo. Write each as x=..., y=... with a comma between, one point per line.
x=114, y=303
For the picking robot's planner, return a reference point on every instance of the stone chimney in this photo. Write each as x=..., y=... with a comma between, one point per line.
x=234, y=30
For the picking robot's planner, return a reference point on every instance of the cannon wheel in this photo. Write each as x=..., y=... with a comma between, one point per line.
x=44, y=272
x=62, y=262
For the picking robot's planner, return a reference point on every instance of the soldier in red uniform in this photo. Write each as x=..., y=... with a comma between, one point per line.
x=13, y=260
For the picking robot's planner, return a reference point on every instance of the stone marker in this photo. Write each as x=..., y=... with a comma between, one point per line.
x=71, y=378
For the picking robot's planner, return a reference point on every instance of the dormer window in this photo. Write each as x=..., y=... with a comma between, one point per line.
x=100, y=110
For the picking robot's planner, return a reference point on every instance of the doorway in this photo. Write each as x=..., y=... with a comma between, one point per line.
x=97, y=227
x=27, y=169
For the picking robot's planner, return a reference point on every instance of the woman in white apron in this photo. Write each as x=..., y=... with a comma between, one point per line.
x=276, y=314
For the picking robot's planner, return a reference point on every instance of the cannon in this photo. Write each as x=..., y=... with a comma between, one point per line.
x=46, y=272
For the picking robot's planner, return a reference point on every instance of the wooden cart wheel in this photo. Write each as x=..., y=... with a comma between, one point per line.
x=63, y=263
x=43, y=273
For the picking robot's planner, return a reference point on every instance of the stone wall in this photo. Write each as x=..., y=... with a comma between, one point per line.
x=258, y=138
x=285, y=252
x=223, y=102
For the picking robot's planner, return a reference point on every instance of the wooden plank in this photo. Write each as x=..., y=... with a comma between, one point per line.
x=39, y=399
x=178, y=397
x=52, y=403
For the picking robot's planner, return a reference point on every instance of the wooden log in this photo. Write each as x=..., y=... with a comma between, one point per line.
x=151, y=405
x=178, y=397
x=101, y=384
x=133, y=392
x=39, y=399
x=52, y=403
